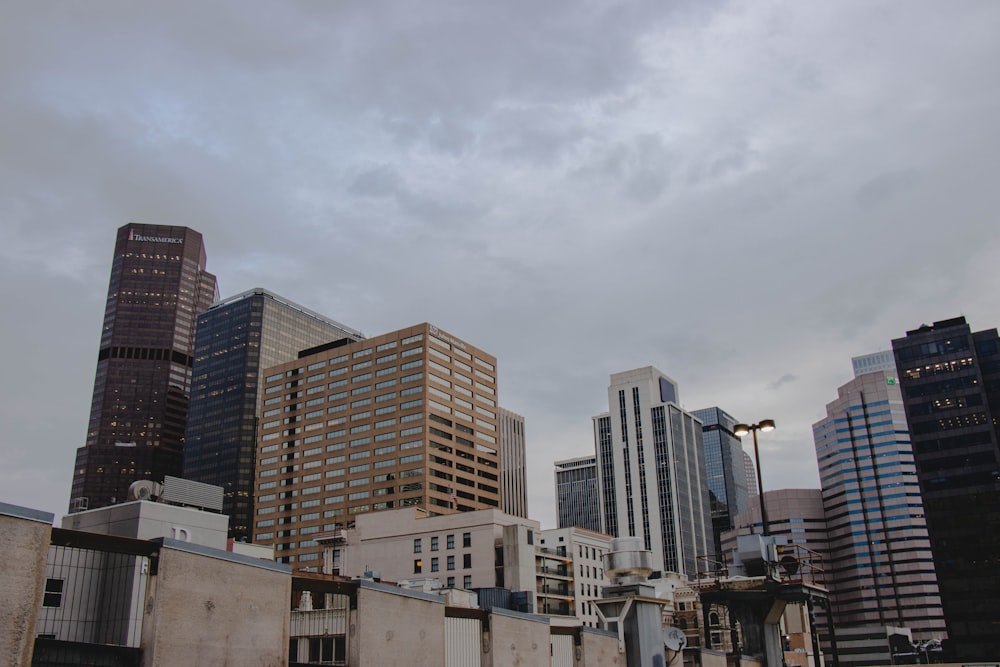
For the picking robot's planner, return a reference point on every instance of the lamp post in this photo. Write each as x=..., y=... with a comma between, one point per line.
x=741, y=430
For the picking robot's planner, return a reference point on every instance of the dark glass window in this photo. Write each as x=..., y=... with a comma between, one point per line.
x=53, y=593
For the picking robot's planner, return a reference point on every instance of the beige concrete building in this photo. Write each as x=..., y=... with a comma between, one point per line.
x=481, y=549
x=405, y=419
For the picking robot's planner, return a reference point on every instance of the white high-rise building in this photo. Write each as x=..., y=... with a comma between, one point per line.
x=651, y=470
x=513, y=471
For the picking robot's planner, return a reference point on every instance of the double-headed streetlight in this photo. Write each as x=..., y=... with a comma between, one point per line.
x=741, y=430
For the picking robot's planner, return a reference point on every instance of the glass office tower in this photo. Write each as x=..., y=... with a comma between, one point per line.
x=139, y=409
x=726, y=470
x=950, y=378
x=236, y=339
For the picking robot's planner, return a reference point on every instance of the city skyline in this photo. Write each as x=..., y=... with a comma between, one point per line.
x=537, y=200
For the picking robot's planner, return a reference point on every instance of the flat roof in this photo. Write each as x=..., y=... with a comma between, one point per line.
x=28, y=513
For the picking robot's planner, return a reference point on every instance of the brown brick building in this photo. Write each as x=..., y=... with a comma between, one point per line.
x=408, y=418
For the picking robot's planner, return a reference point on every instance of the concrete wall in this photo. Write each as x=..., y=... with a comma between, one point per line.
x=206, y=608
x=599, y=648
x=516, y=641
x=26, y=535
x=391, y=626
x=396, y=627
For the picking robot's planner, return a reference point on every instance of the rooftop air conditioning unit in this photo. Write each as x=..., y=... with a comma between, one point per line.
x=145, y=489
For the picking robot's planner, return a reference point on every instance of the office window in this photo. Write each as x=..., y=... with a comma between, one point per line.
x=418, y=566
x=434, y=564
x=451, y=562
x=416, y=546
x=466, y=560
x=53, y=593
x=451, y=582
x=451, y=541
x=434, y=544
x=467, y=581
x=466, y=540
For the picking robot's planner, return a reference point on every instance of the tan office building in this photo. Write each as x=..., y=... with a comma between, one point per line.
x=405, y=419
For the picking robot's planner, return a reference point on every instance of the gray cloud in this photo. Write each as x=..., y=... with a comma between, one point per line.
x=885, y=186
x=785, y=379
x=729, y=193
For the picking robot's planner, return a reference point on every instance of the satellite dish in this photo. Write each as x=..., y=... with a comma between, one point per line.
x=674, y=639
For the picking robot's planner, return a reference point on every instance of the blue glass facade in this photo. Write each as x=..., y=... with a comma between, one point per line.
x=236, y=339
x=725, y=468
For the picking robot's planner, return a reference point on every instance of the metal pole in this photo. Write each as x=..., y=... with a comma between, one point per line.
x=760, y=483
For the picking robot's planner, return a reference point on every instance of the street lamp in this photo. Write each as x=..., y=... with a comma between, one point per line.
x=740, y=430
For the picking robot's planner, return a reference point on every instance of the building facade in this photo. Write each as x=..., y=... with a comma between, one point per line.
x=405, y=419
x=513, y=466
x=724, y=464
x=470, y=550
x=795, y=514
x=950, y=380
x=138, y=414
x=651, y=471
x=570, y=567
x=876, y=361
x=879, y=564
x=236, y=339
x=577, y=498
x=751, y=478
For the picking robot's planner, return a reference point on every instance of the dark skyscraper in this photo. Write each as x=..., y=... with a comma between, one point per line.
x=139, y=409
x=724, y=463
x=950, y=378
x=236, y=339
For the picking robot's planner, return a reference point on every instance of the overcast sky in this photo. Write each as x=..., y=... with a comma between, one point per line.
x=743, y=195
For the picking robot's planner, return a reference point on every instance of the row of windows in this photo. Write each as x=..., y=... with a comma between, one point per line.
x=418, y=566
x=387, y=371
x=435, y=542
x=391, y=357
